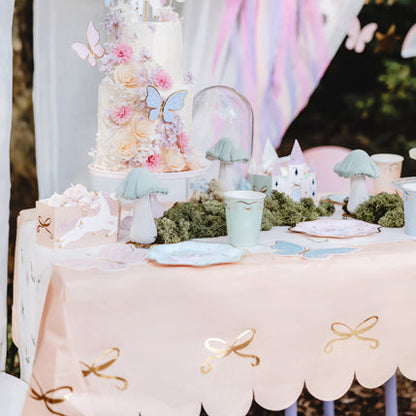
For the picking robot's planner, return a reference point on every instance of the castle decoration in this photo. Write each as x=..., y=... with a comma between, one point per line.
x=296, y=178
x=290, y=175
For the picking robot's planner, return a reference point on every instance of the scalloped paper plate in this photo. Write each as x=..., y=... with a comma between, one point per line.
x=191, y=253
x=336, y=228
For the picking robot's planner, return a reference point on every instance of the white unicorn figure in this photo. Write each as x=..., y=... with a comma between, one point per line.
x=103, y=221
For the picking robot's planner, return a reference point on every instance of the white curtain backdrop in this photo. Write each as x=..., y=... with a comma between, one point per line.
x=6, y=65
x=65, y=91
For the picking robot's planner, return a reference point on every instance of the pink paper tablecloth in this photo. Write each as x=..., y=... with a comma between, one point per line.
x=279, y=322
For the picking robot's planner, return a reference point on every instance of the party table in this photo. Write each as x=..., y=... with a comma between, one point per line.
x=101, y=336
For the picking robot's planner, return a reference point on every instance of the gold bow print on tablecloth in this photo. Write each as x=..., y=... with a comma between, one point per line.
x=52, y=397
x=98, y=366
x=344, y=332
x=44, y=225
x=227, y=349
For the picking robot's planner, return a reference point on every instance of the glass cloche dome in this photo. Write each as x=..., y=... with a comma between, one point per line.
x=221, y=112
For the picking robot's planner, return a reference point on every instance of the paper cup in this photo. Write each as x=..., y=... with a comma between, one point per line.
x=244, y=212
x=408, y=187
x=261, y=183
x=390, y=166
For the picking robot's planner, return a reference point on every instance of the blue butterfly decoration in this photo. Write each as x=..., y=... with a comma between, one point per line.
x=285, y=248
x=109, y=3
x=164, y=108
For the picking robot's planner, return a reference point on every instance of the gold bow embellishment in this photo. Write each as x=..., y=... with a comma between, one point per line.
x=44, y=225
x=227, y=349
x=98, y=366
x=263, y=189
x=50, y=398
x=344, y=332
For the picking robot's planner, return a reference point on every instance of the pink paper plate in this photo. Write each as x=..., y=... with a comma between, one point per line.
x=336, y=228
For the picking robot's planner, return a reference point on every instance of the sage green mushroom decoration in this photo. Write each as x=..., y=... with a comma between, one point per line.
x=227, y=152
x=356, y=166
x=139, y=185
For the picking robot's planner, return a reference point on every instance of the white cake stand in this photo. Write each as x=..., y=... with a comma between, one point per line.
x=177, y=182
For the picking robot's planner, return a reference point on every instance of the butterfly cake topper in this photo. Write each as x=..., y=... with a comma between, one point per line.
x=92, y=50
x=164, y=109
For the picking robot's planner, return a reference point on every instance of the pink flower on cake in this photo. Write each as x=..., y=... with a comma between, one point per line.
x=195, y=160
x=174, y=159
x=183, y=141
x=143, y=130
x=122, y=53
x=163, y=80
x=122, y=115
x=125, y=74
x=153, y=162
x=126, y=147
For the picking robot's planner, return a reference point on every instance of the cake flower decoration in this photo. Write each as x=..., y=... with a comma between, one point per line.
x=163, y=80
x=174, y=159
x=125, y=75
x=122, y=53
x=153, y=162
x=126, y=147
x=183, y=141
x=139, y=185
x=143, y=130
x=122, y=115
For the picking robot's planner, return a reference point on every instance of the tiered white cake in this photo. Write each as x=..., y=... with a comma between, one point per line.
x=144, y=103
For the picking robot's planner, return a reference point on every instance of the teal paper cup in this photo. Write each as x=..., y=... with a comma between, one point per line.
x=244, y=212
x=261, y=183
x=408, y=187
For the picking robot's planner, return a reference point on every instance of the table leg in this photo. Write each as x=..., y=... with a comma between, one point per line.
x=390, y=391
x=292, y=410
x=329, y=408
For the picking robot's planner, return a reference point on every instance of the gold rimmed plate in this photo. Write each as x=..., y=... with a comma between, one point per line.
x=336, y=228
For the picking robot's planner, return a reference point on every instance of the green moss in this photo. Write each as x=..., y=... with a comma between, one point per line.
x=326, y=208
x=170, y=232
x=205, y=216
x=267, y=221
x=393, y=219
x=383, y=209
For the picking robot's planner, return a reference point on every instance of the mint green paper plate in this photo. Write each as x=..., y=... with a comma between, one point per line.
x=192, y=253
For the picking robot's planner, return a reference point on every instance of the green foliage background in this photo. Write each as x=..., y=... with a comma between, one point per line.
x=366, y=100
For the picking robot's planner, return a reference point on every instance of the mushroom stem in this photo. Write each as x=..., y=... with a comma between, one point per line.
x=143, y=228
x=358, y=193
x=226, y=175
x=157, y=208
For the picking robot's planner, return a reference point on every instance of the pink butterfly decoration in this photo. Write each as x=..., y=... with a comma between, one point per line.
x=409, y=43
x=357, y=37
x=93, y=50
x=115, y=257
